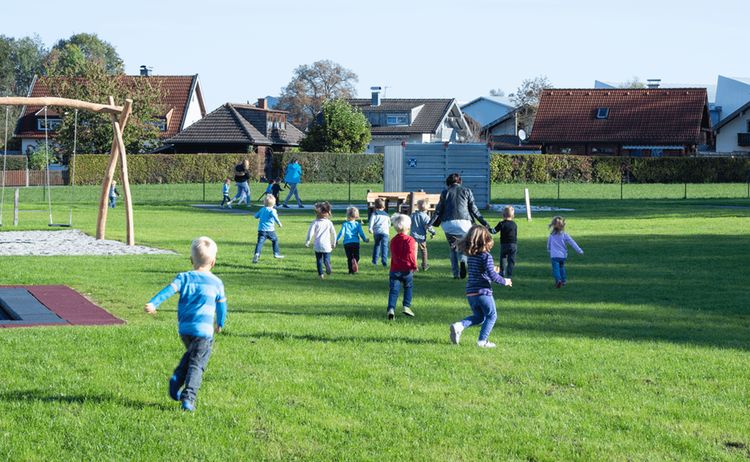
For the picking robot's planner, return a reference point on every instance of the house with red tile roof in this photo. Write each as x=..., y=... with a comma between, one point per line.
x=182, y=105
x=635, y=122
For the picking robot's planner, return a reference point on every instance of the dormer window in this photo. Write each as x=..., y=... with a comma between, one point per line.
x=602, y=113
x=397, y=119
x=52, y=124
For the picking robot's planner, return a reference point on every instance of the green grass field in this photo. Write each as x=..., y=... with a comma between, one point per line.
x=645, y=355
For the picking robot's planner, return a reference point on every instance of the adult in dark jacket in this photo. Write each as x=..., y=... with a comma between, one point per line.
x=242, y=177
x=456, y=213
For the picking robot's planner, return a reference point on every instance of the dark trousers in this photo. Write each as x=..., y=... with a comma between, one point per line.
x=271, y=236
x=395, y=280
x=323, y=261
x=225, y=200
x=190, y=370
x=352, y=255
x=507, y=259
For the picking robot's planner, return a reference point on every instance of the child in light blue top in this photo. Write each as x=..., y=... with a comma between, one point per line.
x=380, y=227
x=420, y=226
x=202, y=302
x=268, y=218
x=352, y=232
x=225, y=201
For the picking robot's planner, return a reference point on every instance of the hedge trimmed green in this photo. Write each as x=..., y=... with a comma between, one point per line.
x=326, y=167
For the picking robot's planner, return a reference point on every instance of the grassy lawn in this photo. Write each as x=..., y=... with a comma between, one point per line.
x=645, y=355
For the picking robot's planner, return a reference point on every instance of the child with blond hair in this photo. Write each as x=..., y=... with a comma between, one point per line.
x=323, y=237
x=481, y=274
x=380, y=227
x=202, y=301
x=557, y=246
x=403, y=265
x=508, y=241
x=420, y=226
x=267, y=221
x=226, y=201
x=351, y=231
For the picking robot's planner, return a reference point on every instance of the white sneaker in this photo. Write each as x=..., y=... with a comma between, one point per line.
x=391, y=314
x=256, y=258
x=485, y=344
x=278, y=255
x=456, y=329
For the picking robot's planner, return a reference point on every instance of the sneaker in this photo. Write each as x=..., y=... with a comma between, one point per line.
x=462, y=270
x=322, y=276
x=485, y=344
x=391, y=314
x=456, y=329
x=187, y=406
x=301, y=206
x=408, y=312
x=256, y=257
x=425, y=268
x=278, y=255
x=355, y=265
x=558, y=284
x=174, y=388
x=285, y=206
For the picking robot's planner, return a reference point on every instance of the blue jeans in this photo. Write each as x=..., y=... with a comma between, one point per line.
x=455, y=254
x=293, y=192
x=507, y=259
x=190, y=370
x=395, y=280
x=112, y=201
x=380, y=248
x=323, y=262
x=483, y=312
x=243, y=193
x=558, y=270
x=271, y=236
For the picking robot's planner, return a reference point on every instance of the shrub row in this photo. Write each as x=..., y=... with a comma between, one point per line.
x=586, y=169
x=368, y=168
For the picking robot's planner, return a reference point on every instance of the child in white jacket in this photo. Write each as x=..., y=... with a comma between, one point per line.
x=323, y=236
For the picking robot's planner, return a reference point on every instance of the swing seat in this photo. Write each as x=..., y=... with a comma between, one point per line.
x=59, y=225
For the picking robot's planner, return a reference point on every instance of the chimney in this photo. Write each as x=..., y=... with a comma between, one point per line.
x=146, y=71
x=262, y=103
x=653, y=83
x=375, y=96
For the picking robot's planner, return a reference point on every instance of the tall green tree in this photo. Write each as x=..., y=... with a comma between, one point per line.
x=338, y=128
x=312, y=85
x=72, y=56
x=29, y=57
x=95, y=130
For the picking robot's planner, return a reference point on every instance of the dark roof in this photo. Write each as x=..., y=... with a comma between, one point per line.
x=732, y=116
x=177, y=92
x=427, y=121
x=238, y=123
x=636, y=116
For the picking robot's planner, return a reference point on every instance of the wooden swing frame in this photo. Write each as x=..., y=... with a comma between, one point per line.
x=119, y=116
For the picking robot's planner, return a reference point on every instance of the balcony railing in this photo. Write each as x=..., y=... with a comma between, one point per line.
x=743, y=139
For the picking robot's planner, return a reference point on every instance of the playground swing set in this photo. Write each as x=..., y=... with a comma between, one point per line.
x=119, y=116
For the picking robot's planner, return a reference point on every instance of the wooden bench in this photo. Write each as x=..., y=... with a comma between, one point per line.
x=405, y=202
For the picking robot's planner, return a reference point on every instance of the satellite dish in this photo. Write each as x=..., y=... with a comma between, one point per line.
x=522, y=134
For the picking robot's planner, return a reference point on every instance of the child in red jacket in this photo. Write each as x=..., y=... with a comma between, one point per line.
x=403, y=265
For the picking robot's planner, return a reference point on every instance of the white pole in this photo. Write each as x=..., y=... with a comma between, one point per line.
x=15, y=208
x=528, y=204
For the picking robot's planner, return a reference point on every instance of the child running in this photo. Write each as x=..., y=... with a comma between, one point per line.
x=202, y=301
x=420, y=226
x=323, y=236
x=267, y=220
x=403, y=265
x=481, y=274
x=557, y=246
x=379, y=227
x=508, y=238
x=276, y=188
x=351, y=230
x=226, y=201
x=113, y=194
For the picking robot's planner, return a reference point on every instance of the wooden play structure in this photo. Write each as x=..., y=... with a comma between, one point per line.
x=119, y=116
x=404, y=202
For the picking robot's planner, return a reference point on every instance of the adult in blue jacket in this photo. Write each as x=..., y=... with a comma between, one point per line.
x=292, y=178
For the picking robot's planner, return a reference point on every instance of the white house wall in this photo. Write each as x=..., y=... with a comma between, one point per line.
x=726, y=139
x=731, y=94
x=193, y=113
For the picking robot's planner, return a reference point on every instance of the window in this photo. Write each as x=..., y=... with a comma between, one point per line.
x=397, y=119
x=52, y=124
x=602, y=150
x=602, y=113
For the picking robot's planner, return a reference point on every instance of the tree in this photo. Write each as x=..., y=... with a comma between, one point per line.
x=526, y=99
x=497, y=92
x=312, y=85
x=29, y=56
x=95, y=130
x=338, y=128
x=635, y=82
x=69, y=56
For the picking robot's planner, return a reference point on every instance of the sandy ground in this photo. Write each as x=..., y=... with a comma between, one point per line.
x=66, y=242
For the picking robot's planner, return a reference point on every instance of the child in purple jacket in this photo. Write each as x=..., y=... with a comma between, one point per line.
x=557, y=246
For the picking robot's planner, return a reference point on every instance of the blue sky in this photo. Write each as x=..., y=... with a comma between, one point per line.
x=458, y=49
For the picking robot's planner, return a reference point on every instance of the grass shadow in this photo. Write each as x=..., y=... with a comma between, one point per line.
x=75, y=398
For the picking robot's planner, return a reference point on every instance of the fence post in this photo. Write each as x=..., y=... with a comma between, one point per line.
x=558, y=185
x=15, y=208
x=204, y=185
x=684, y=196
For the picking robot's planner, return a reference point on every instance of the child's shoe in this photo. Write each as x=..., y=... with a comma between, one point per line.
x=322, y=276
x=485, y=344
x=456, y=329
x=278, y=255
x=328, y=268
x=187, y=406
x=391, y=314
x=355, y=266
x=408, y=312
x=462, y=270
x=256, y=258
x=558, y=284
x=174, y=388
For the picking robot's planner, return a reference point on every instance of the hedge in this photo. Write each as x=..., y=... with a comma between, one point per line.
x=368, y=168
